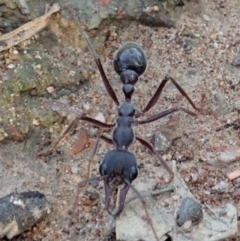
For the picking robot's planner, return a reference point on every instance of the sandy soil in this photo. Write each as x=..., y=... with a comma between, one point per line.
x=198, y=53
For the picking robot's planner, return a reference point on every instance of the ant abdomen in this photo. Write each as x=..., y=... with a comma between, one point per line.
x=130, y=56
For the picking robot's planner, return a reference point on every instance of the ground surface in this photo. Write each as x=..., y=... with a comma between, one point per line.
x=198, y=53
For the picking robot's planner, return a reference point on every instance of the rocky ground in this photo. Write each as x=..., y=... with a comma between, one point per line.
x=201, y=52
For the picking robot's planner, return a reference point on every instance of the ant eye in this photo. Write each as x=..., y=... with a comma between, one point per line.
x=133, y=173
x=103, y=169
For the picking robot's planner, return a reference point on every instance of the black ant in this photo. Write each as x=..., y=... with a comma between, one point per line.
x=119, y=166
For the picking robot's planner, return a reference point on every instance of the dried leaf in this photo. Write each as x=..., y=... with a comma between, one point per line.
x=81, y=143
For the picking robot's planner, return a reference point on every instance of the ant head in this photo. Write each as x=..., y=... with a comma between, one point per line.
x=118, y=167
x=131, y=57
x=118, y=163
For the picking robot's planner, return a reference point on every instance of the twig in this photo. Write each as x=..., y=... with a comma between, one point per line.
x=153, y=193
x=27, y=30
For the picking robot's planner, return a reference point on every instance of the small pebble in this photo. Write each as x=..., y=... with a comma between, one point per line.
x=187, y=225
x=42, y=179
x=50, y=89
x=221, y=186
x=175, y=197
x=85, y=74
x=206, y=17
x=148, y=9
x=169, y=157
x=87, y=209
x=100, y=117
x=11, y=66
x=37, y=56
x=74, y=170
x=72, y=73
x=38, y=66
x=186, y=179
x=155, y=9
x=195, y=176
x=86, y=106
x=236, y=62
x=94, y=181
x=35, y=122
x=237, y=105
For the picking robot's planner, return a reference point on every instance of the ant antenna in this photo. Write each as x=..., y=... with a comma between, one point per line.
x=85, y=36
x=90, y=47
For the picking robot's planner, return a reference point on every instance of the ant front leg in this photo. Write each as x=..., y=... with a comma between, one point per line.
x=156, y=96
x=151, y=148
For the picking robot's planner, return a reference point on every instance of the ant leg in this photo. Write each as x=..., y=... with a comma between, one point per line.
x=158, y=92
x=74, y=122
x=95, y=122
x=164, y=113
x=94, y=150
x=151, y=148
x=84, y=182
x=105, y=80
x=70, y=126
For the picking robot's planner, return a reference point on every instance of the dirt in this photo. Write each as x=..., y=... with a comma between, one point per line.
x=198, y=53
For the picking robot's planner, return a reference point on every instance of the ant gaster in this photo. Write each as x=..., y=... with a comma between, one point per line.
x=119, y=166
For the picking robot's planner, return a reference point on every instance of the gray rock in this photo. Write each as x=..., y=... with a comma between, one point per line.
x=20, y=211
x=189, y=210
